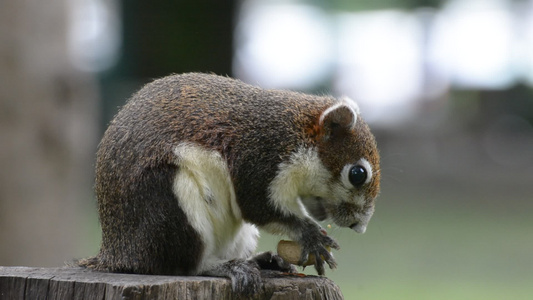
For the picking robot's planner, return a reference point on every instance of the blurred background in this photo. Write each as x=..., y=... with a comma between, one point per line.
x=445, y=85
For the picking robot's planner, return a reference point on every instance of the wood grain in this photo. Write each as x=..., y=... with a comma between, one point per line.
x=76, y=283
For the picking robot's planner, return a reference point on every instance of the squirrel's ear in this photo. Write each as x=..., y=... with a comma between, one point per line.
x=342, y=115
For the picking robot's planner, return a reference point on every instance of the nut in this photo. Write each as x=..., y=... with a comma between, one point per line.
x=291, y=252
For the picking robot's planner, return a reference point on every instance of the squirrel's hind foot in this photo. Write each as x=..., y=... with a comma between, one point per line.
x=244, y=274
x=269, y=261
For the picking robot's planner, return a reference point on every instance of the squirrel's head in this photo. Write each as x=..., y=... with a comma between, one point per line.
x=348, y=150
x=336, y=178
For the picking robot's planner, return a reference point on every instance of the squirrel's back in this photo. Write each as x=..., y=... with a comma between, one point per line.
x=207, y=109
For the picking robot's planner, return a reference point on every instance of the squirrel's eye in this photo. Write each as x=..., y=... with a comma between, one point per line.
x=357, y=175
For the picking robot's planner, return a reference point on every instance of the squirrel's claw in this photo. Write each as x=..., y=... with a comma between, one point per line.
x=317, y=247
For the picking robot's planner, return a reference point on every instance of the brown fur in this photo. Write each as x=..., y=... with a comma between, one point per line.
x=143, y=228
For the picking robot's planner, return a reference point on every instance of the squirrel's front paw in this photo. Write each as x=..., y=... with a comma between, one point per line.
x=317, y=244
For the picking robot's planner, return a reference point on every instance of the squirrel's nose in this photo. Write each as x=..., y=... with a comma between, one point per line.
x=358, y=227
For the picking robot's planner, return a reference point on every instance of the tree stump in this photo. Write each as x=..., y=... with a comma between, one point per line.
x=78, y=283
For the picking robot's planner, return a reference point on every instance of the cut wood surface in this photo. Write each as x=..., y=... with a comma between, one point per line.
x=76, y=283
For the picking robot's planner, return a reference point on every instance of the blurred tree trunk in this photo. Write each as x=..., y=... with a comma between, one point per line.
x=47, y=137
x=162, y=37
x=165, y=37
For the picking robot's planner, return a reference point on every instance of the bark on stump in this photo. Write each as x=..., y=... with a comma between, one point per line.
x=77, y=283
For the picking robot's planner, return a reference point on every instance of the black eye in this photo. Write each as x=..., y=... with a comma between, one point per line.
x=357, y=176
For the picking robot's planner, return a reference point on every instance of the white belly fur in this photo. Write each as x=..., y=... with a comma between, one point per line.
x=205, y=192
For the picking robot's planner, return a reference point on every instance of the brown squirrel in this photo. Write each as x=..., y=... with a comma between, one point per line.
x=194, y=163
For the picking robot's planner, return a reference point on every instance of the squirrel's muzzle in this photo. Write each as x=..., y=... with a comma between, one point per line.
x=359, y=227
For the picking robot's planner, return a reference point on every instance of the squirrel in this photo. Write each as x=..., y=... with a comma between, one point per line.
x=193, y=164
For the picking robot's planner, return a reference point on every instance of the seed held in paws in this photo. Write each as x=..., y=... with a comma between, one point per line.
x=291, y=252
